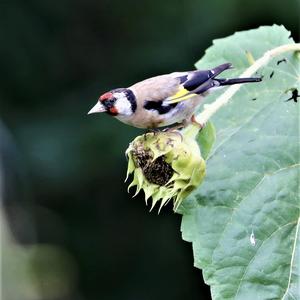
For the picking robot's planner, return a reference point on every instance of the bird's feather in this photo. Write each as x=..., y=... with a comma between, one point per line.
x=197, y=82
x=182, y=94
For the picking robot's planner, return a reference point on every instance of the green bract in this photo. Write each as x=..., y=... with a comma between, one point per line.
x=166, y=165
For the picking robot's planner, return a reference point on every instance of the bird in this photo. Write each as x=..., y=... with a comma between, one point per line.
x=164, y=100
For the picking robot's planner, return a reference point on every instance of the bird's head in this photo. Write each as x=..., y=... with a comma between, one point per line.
x=116, y=102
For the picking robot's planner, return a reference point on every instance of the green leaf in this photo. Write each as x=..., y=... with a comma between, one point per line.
x=243, y=221
x=206, y=139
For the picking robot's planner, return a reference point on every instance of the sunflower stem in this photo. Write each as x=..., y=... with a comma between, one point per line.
x=191, y=131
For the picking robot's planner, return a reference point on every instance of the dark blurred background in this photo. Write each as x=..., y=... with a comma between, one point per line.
x=71, y=231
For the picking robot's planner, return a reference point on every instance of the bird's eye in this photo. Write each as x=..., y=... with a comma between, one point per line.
x=109, y=103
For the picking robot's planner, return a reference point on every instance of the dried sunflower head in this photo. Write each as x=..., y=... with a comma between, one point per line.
x=166, y=165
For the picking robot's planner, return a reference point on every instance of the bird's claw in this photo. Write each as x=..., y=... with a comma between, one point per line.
x=195, y=122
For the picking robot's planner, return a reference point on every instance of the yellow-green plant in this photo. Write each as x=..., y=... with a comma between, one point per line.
x=166, y=165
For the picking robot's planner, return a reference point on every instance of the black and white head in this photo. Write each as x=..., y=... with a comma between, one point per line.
x=118, y=102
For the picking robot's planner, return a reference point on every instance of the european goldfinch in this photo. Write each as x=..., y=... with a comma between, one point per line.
x=164, y=100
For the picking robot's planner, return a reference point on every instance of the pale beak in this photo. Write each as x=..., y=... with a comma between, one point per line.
x=97, y=109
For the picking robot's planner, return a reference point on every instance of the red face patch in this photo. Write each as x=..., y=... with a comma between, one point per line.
x=113, y=111
x=106, y=96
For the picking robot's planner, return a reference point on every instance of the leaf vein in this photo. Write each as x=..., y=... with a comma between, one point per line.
x=245, y=271
x=292, y=259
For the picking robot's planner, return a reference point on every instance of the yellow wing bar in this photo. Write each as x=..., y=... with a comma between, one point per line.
x=181, y=95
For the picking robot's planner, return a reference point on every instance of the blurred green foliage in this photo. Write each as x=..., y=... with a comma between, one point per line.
x=64, y=170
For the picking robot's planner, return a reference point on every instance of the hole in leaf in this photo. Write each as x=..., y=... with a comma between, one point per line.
x=295, y=95
x=281, y=60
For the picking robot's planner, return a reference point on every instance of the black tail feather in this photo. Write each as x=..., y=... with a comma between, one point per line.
x=211, y=83
x=198, y=82
x=237, y=80
x=219, y=69
x=200, y=77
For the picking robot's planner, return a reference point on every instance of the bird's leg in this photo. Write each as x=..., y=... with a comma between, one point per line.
x=150, y=130
x=194, y=121
x=175, y=130
x=176, y=127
